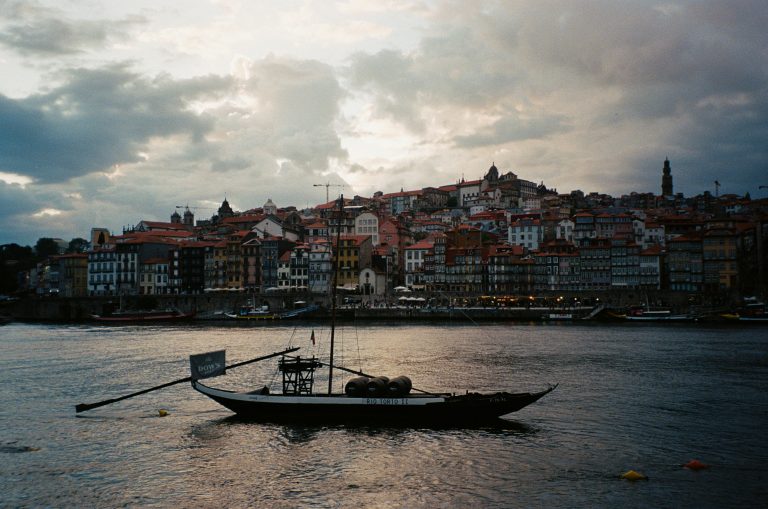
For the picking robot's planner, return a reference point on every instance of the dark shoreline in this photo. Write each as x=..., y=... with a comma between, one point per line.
x=210, y=308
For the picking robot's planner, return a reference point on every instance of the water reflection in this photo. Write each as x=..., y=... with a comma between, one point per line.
x=647, y=398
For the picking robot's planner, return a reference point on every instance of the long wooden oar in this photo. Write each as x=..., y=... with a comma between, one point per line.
x=82, y=407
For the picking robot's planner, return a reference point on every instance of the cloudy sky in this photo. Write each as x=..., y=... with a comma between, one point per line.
x=113, y=112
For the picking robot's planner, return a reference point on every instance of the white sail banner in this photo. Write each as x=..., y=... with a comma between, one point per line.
x=207, y=365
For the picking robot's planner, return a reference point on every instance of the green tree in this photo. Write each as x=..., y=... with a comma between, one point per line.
x=13, y=260
x=46, y=247
x=78, y=245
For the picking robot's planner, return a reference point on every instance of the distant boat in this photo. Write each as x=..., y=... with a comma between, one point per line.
x=558, y=316
x=250, y=312
x=166, y=315
x=294, y=313
x=645, y=314
x=366, y=399
x=752, y=311
x=762, y=318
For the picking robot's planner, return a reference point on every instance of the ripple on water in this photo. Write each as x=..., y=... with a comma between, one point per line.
x=648, y=398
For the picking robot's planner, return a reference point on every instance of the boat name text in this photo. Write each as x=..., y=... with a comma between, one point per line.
x=386, y=401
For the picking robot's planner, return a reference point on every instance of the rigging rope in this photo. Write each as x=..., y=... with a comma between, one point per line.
x=461, y=310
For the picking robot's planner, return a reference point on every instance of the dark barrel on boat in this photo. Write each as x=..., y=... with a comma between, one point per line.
x=377, y=386
x=399, y=386
x=357, y=387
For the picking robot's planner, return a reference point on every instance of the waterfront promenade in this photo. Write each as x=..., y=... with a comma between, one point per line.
x=394, y=307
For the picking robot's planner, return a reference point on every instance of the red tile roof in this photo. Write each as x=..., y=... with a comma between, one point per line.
x=251, y=218
x=424, y=244
x=164, y=225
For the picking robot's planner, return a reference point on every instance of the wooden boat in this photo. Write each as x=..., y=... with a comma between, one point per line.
x=167, y=315
x=366, y=399
x=371, y=409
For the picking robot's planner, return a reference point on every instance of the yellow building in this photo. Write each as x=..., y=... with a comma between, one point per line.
x=73, y=275
x=354, y=255
x=725, y=249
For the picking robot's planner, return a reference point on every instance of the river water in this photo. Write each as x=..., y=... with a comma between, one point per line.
x=643, y=397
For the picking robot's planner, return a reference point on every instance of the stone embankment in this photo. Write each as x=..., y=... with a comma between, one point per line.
x=214, y=305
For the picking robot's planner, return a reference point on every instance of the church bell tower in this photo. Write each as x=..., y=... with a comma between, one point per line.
x=666, y=180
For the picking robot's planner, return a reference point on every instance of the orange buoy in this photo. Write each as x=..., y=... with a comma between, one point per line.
x=634, y=476
x=695, y=465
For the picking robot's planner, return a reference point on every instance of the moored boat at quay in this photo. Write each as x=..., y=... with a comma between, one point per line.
x=646, y=314
x=153, y=316
x=250, y=312
x=751, y=311
x=655, y=315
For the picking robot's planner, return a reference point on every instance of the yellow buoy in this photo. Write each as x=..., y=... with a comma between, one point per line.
x=162, y=413
x=634, y=476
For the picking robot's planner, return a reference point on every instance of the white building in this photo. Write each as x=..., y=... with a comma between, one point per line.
x=414, y=262
x=468, y=192
x=372, y=283
x=368, y=224
x=101, y=271
x=526, y=232
x=319, y=267
x=270, y=208
x=653, y=235
x=272, y=226
x=284, y=271
x=565, y=230
x=153, y=277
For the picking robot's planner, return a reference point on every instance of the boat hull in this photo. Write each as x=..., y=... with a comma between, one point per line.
x=267, y=316
x=661, y=318
x=412, y=409
x=143, y=317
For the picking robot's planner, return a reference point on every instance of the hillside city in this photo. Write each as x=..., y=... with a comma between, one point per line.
x=496, y=236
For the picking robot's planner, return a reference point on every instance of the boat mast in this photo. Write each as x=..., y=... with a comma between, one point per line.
x=334, y=281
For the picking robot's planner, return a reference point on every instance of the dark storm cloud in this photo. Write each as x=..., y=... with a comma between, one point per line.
x=97, y=118
x=513, y=128
x=688, y=79
x=726, y=142
x=55, y=37
x=15, y=200
x=450, y=69
x=18, y=204
x=34, y=30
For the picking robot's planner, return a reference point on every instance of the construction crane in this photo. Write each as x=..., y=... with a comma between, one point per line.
x=326, y=186
x=188, y=207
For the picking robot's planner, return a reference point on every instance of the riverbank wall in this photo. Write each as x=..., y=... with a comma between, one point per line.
x=432, y=307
